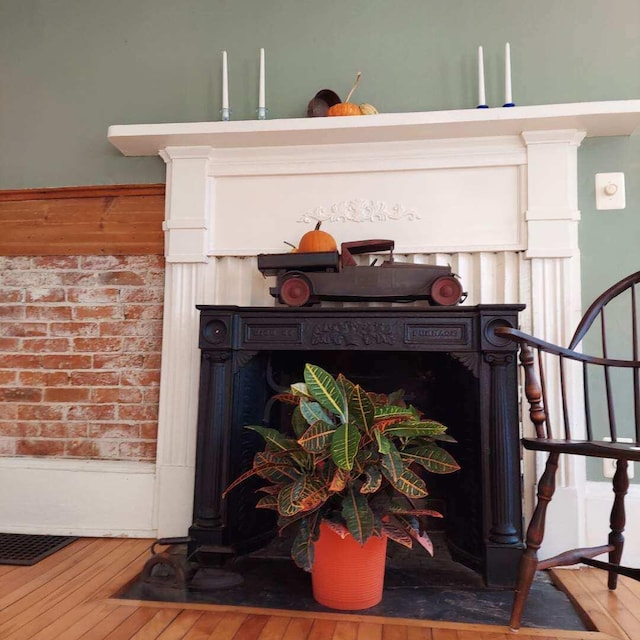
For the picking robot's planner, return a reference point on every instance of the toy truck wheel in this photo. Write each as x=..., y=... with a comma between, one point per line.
x=446, y=291
x=295, y=291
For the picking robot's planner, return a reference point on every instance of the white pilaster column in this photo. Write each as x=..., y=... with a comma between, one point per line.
x=188, y=199
x=552, y=219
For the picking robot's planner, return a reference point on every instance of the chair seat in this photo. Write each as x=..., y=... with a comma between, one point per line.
x=593, y=449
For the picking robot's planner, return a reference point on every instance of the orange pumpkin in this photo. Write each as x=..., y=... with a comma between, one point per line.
x=344, y=109
x=347, y=108
x=317, y=240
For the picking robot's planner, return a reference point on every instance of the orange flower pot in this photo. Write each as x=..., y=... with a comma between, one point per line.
x=345, y=575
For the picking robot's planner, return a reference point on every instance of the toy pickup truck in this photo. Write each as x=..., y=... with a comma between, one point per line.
x=306, y=278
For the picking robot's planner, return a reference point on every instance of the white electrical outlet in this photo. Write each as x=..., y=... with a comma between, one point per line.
x=609, y=464
x=610, y=191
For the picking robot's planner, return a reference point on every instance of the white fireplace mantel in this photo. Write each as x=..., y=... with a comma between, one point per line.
x=493, y=192
x=614, y=118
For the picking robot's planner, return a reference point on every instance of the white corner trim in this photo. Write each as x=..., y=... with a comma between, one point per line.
x=77, y=497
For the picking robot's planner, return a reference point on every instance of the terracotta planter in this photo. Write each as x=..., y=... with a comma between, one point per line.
x=345, y=575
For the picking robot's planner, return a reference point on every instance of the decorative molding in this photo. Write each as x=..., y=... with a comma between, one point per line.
x=469, y=361
x=360, y=210
x=353, y=333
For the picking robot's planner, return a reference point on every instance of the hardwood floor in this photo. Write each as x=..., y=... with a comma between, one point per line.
x=68, y=596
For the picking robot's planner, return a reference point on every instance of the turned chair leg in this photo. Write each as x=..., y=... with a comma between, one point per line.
x=535, y=533
x=618, y=519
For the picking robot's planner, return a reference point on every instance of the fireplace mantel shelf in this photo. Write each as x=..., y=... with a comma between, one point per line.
x=613, y=118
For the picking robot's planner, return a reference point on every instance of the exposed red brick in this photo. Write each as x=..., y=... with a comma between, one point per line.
x=127, y=361
x=18, y=361
x=56, y=294
x=50, y=345
x=48, y=313
x=66, y=361
x=8, y=377
x=20, y=394
x=138, y=450
x=11, y=295
x=12, y=312
x=39, y=447
x=151, y=395
x=8, y=411
x=44, y=378
x=66, y=394
x=143, y=294
x=23, y=329
x=81, y=448
x=143, y=312
x=75, y=329
x=97, y=345
x=138, y=412
x=140, y=378
x=7, y=447
x=41, y=412
x=94, y=378
x=92, y=295
x=92, y=412
x=9, y=344
x=127, y=395
x=152, y=361
x=121, y=278
x=145, y=345
x=105, y=312
x=56, y=262
x=120, y=431
x=16, y=429
x=148, y=430
x=54, y=430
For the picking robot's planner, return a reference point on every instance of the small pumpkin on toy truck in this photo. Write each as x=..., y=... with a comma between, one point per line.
x=305, y=277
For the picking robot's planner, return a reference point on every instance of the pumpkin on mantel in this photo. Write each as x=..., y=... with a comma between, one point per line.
x=317, y=240
x=347, y=108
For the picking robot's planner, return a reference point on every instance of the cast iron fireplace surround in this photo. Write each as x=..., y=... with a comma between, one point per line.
x=447, y=359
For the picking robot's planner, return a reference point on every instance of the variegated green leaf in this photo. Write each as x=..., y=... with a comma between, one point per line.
x=298, y=423
x=392, y=464
x=268, y=502
x=317, y=437
x=427, y=428
x=312, y=412
x=274, y=439
x=358, y=516
x=384, y=445
x=344, y=445
x=373, y=480
x=361, y=409
x=300, y=389
x=339, y=480
x=411, y=485
x=433, y=458
x=309, y=492
x=302, y=548
x=286, y=505
x=325, y=390
x=388, y=411
x=397, y=534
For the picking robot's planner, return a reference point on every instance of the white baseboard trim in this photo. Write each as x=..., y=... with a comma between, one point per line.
x=599, y=499
x=77, y=497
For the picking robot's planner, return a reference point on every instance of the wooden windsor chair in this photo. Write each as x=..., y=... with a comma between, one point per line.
x=606, y=412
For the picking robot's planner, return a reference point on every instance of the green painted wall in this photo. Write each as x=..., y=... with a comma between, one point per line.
x=70, y=68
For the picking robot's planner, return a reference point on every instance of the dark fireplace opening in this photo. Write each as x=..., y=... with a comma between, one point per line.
x=448, y=362
x=437, y=384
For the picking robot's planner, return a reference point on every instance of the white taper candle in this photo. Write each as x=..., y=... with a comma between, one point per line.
x=225, y=82
x=508, y=98
x=261, y=92
x=481, y=94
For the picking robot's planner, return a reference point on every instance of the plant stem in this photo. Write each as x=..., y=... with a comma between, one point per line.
x=355, y=84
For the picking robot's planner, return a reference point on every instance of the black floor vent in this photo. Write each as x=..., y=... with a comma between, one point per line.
x=23, y=549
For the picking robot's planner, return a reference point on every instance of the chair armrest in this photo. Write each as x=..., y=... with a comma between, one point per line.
x=519, y=337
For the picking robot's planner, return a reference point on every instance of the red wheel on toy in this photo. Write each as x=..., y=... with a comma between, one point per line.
x=446, y=291
x=295, y=291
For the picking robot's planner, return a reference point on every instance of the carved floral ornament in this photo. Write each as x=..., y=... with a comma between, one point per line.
x=360, y=210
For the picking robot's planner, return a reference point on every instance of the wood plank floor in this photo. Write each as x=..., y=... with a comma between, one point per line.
x=69, y=596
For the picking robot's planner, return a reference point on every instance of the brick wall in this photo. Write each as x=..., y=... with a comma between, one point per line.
x=80, y=342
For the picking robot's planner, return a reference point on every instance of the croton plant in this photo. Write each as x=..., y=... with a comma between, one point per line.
x=354, y=460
